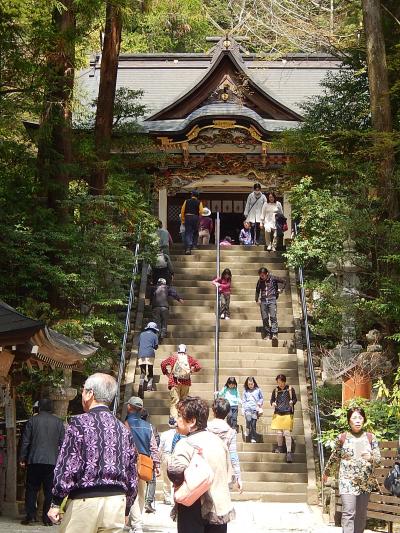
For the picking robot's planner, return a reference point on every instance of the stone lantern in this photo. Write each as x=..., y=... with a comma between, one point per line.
x=345, y=269
x=61, y=396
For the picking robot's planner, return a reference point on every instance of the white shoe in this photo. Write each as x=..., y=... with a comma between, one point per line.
x=227, y=318
x=222, y=316
x=253, y=440
x=269, y=248
x=273, y=249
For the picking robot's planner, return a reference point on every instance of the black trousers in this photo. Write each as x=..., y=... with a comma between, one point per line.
x=160, y=316
x=190, y=520
x=36, y=476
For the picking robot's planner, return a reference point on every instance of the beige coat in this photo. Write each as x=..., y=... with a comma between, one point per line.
x=216, y=505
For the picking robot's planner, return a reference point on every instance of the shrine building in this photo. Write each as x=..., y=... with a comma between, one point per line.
x=216, y=115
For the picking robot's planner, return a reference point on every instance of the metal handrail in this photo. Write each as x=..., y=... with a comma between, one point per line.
x=127, y=328
x=310, y=365
x=216, y=342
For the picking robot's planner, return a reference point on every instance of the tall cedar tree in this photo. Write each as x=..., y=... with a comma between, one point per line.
x=106, y=97
x=381, y=113
x=55, y=133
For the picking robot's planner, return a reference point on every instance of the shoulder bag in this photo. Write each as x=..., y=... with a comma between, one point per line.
x=198, y=479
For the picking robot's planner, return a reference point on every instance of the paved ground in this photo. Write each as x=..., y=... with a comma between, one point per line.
x=256, y=517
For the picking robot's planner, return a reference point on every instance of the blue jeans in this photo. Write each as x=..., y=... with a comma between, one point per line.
x=268, y=315
x=232, y=417
x=191, y=231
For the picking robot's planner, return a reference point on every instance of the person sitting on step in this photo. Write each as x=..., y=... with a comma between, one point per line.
x=283, y=400
x=226, y=242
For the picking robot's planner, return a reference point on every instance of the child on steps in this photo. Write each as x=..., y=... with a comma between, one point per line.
x=224, y=288
x=230, y=393
x=252, y=403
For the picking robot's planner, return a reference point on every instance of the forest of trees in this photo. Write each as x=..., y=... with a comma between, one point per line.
x=70, y=209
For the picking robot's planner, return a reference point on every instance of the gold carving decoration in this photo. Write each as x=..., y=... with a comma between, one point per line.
x=167, y=142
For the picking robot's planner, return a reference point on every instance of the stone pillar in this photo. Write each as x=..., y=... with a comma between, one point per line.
x=163, y=206
x=61, y=396
x=287, y=210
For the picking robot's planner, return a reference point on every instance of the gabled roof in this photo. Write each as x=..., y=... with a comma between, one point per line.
x=227, y=63
x=54, y=348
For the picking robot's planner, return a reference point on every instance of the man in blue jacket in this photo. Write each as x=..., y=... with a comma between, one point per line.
x=143, y=435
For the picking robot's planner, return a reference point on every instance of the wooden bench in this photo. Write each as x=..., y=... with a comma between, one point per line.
x=381, y=506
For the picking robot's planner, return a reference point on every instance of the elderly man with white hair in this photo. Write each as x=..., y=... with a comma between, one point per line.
x=96, y=467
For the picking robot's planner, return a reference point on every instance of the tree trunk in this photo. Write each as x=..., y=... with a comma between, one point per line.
x=106, y=98
x=55, y=135
x=380, y=102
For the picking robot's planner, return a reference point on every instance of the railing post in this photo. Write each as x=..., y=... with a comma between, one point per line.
x=216, y=344
x=311, y=370
x=131, y=299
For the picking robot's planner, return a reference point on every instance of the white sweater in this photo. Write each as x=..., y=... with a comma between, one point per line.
x=254, y=206
x=268, y=213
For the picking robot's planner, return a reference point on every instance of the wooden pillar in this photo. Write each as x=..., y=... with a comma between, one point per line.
x=10, y=503
x=163, y=206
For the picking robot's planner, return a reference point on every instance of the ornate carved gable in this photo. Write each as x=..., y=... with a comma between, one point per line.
x=227, y=81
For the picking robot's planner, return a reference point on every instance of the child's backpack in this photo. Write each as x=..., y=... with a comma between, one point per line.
x=161, y=262
x=181, y=368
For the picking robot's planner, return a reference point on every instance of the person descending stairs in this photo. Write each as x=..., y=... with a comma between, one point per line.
x=243, y=352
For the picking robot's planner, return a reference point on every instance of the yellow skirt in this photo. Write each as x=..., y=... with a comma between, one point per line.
x=282, y=422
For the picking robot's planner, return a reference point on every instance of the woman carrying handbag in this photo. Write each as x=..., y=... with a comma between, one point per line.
x=205, y=452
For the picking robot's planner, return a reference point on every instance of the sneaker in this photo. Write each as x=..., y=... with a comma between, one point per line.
x=289, y=457
x=149, y=508
x=279, y=449
x=274, y=339
x=227, y=318
x=222, y=316
x=27, y=522
x=269, y=248
x=253, y=440
x=167, y=502
x=172, y=422
x=273, y=249
x=188, y=252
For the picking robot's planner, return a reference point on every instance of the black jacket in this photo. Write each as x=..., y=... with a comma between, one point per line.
x=160, y=295
x=282, y=398
x=42, y=439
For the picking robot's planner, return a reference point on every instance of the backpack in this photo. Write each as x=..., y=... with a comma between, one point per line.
x=161, y=262
x=181, y=368
x=276, y=287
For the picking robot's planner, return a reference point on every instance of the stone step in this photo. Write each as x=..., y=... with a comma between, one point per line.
x=268, y=457
x=275, y=486
x=273, y=477
x=285, y=341
x=227, y=362
x=234, y=322
x=177, y=334
x=273, y=467
x=206, y=273
x=263, y=496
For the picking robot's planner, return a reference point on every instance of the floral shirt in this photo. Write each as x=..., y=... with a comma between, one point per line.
x=355, y=473
x=98, y=452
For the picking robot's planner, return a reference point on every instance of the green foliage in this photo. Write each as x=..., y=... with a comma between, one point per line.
x=382, y=420
x=168, y=26
x=34, y=383
x=322, y=225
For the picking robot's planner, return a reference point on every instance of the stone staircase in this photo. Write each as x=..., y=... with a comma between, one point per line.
x=243, y=353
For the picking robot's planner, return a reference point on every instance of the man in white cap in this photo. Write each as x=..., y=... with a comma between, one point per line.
x=178, y=367
x=147, y=346
x=160, y=304
x=145, y=441
x=205, y=227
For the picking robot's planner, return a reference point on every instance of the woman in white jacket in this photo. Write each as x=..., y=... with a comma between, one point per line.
x=253, y=210
x=268, y=220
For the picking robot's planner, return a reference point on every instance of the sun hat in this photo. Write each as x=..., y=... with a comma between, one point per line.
x=182, y=348
x=206, y=212
x=152, y=325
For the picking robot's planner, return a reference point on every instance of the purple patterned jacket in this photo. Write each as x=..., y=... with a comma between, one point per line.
x=98, y=452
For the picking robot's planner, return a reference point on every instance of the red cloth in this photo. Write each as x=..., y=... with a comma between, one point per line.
x=224, y=285
x=172, y=380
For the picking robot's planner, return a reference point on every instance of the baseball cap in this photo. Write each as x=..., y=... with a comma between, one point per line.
x=182, y=348
x=135, y=401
